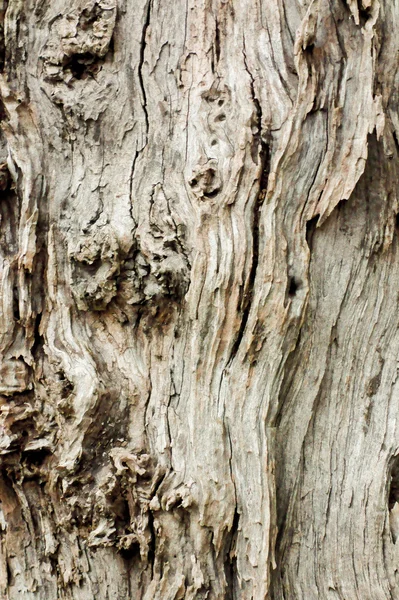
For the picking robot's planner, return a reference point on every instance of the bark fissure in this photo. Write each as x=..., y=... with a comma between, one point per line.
x=263, y=155
x=247, y=296
x=143, y=44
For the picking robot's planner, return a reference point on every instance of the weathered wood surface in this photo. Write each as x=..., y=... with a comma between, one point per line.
x=199, y=269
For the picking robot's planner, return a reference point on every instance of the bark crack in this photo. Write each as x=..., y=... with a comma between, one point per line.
x=231, y=558
x=143, y=44
x=264, y=155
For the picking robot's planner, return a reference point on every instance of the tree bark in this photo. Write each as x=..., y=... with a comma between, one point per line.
x=199, y=274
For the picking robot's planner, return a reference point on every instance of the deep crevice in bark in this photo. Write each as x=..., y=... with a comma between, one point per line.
x=217, y=41
x=310, y=230
x=248, y=294
x=393, y=494
x=231, y=560
x=393, y=499
x=3, y=11
x=143, y=44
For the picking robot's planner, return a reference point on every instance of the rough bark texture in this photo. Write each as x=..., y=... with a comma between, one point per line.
x=199, y=279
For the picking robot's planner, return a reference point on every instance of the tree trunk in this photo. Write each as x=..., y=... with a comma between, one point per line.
x=199, y=275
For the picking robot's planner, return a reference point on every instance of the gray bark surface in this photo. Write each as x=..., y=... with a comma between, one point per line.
x=199, y=291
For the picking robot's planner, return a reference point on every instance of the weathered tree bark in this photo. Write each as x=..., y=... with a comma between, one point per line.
x=199, y=292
